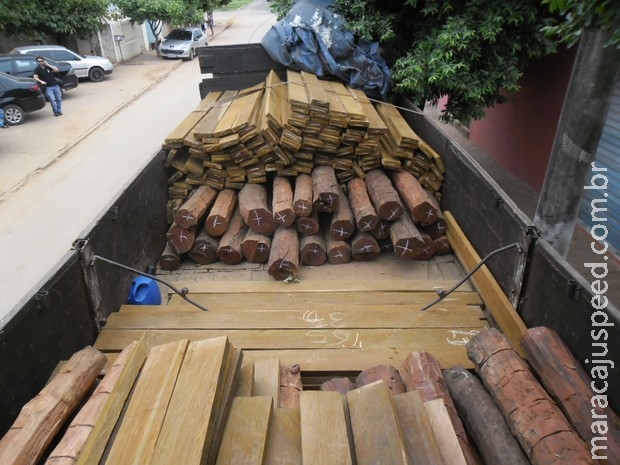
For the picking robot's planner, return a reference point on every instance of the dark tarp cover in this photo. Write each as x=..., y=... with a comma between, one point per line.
x=314, y=39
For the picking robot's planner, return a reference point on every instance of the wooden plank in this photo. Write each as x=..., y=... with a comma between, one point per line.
x=419, y=438
x=246, y=432
x=324, y=437
x=374, y=423
x=246, y=379
x=267, y=379
x=389, y=317
x=284, y=442
x=188, y=428
x=503, y=312
x=444, y=432
x=135, y=439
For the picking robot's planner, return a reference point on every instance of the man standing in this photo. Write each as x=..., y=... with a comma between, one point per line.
x=43, y=75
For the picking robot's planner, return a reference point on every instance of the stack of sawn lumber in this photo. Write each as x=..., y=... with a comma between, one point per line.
x=201, y=403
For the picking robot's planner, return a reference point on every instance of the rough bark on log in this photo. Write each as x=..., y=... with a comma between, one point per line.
x=254, y=209
x=366, y=218
x=570, y=386
x=43, y=416
x=421, y=206
x=204, y=250
x=364, y=247
x=482, y=418
x=308, y=225
x=302, y=199
x=442, y=246
x=181, y=239
x=338, y=252
x=229, y=249
x=384, y=197
x=284, y=255
x=256, y=247
x=324, y=189
x=537, y=422
x=342, y=225
x=421, y=371
x=428, y=249
x=194, y=210
x=221, y=212
x=283, y=212
x=312, y=250
x=406, y=238
x=386, y=373
x=170, y=259
x=341, y=385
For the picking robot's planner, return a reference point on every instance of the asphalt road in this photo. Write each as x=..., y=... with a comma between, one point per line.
x=59, y=174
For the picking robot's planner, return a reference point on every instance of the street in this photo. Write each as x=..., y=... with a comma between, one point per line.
x=60, y=174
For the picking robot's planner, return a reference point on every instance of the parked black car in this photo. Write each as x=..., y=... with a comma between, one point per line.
x=24, y=65
x=19, y=96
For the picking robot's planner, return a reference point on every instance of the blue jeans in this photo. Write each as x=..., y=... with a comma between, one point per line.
x=55, y=97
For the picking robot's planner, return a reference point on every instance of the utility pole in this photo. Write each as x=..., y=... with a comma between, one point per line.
x=591, y=85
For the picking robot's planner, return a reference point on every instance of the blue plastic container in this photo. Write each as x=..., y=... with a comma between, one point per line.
x=144, y=290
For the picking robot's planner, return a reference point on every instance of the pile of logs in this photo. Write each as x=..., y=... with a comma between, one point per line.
x=310, y=221
x=200, y=402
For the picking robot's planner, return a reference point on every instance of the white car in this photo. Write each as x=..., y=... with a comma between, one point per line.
x=92, y=67
x=182, y=43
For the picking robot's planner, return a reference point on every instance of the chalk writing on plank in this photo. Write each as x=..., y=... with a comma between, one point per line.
x=346, y=339
x=459, y=337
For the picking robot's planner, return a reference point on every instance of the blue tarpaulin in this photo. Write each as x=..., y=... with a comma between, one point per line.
x=313, y=38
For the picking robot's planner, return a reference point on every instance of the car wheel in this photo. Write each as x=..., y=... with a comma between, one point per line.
x=96, y=74
x=13, y=115
x=191, y=54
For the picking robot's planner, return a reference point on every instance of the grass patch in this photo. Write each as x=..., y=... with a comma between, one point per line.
x=234, y=4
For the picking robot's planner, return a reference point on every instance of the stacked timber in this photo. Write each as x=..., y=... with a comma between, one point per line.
x=202, y=402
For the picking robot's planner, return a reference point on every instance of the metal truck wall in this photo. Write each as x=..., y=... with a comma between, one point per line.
x=60, y=319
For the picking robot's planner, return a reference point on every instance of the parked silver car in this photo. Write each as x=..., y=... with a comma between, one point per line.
x=182, y=43
x=92, y=67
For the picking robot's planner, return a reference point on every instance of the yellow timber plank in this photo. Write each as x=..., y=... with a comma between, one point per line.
x=504, y=313
x=328, y=317
x=284, y=443
x=444, y=432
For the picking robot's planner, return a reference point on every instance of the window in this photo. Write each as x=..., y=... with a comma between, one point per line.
x=5, y=67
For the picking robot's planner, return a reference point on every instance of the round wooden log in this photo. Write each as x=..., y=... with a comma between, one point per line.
x=221, y=212
x=282, y=205
x=364, y=247
x=254, y=209
x=256, y=247
x=341, y=385
x=366, y=218
x=302, y=199
x=181, y=239
x=407, y=240
x=284, y=255
x=342, y=224
x=382, y=231
x=338, y=252
x=308, y=225
x=421, y=205
x=442, y=246
x=312, y=250
x=438, y=228
x=324, y=189
x=204, y=250
x=194, y=210
x=428, y=250
x=229, y=249
x=384, y=197
x=386, y=373
x=537, y=422
x=170, y=259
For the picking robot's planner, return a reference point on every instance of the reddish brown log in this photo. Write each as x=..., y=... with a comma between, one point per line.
x=338, y=252
x=405, y=237
x=342, y=224
x=571, y=388
x=229, y=250
x=428, y=250
x=308, y=225
x=170, y=259
x=312, y=250
x=181, y=239
x=386, y=373
x=421, y=372
x=324, y=189
x=290, y=386
x=422, y=206
x=341, y=385
x=366, y=218
x=438, y=228
x=284, y=256
x=364, y=247
x=386, y=245
x=483, y=420
x=384, y=197
x=302, y=200
x=283, y=212
x=194, y=210
x=256, y=247
x=204, y=250
x=221, y=212
x=442, y=246
x=537, y=422
x=382, y=231
x=254, y=209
